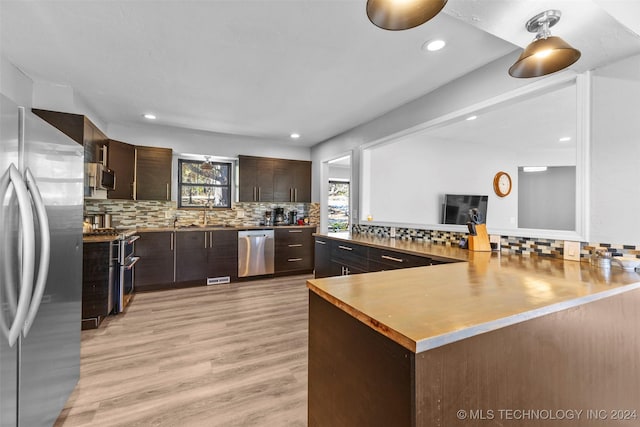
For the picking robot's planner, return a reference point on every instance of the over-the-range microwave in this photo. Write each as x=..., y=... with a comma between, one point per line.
x=101, y=177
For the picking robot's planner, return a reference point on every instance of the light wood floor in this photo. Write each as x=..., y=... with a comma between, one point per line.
x=224, y=355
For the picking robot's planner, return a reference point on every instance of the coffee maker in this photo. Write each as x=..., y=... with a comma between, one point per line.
x=278, y=218
x=293, y=217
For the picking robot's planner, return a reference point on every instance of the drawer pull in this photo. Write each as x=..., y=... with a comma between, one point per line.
x=294, y=259
x=297, y=245
x=390, y=258
x=321, y=242
x=346, y=248
x=295, y=231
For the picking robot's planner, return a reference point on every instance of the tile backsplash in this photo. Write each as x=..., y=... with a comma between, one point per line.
x=527, y=246
x=130, y=214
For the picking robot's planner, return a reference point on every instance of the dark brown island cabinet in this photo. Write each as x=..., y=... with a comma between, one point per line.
x=263, y=179
x=343, y=258
x=207, y=257
x=294, y=249
x=97, y=288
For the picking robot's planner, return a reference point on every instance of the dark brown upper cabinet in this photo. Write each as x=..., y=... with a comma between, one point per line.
x=121, y=159
x=82, y=130
x=153, y=173
x=274, y=180
x=256, y=179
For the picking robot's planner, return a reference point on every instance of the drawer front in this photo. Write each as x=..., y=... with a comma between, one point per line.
x=380, y=258
x=350, y=254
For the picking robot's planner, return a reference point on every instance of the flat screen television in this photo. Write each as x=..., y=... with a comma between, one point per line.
x=456, y=208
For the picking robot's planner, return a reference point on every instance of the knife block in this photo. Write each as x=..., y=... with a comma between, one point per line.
x=480, y=242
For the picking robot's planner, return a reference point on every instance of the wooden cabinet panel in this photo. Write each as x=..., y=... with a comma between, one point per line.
x=255, y=179
x=206, y=254
x=294, y=250
x=156, y=265
x=97, y=293
x=323, y=264
x=292, y=181
x=191, y=255
x=274, y=180
x=222, y=254
x=121, y=159
x=153, y=173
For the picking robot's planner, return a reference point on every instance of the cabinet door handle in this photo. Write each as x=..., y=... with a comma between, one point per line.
x=205, y=239
x=168, y=197
x=346, y=248
x=255, y=194
x=295, y=194
x=390, y=258
x=295, y=231
x=171, y=241
x=294, y=259
x=259, y=194
x=297, y=245
x=211, y=239
x=321, y=242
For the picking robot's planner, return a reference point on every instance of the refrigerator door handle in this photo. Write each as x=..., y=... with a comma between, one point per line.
x=12, y=176
x=45, y=251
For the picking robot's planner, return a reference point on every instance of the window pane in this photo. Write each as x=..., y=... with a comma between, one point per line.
x=203, y=196
x=192, y=173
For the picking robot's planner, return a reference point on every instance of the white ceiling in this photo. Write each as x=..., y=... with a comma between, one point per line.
x=266, y=68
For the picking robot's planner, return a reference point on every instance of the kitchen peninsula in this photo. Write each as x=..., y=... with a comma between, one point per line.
x=455, y=344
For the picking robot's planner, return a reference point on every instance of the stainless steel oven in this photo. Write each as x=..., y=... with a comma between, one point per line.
x=125, y=283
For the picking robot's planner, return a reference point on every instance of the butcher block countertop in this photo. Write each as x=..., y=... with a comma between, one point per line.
x=426, y=307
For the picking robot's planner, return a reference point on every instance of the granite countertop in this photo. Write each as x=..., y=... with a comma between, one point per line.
x=426, y=307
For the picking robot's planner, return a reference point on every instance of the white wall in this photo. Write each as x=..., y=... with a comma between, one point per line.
x=340, y=173
x=615, y=153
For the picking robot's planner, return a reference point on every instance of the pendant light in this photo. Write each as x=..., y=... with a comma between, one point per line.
x=546, y=54
x=402, y=14
x=206, y=165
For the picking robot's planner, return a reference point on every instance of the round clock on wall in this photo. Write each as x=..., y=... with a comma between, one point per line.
x=502, y=184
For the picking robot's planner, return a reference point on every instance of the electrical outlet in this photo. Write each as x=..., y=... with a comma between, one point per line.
x=495, y=239
x=571, y=250
x=392, y=232
x=168, y=215
x=240, y=213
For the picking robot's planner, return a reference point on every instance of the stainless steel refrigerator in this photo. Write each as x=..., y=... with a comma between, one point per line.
x=41, y=195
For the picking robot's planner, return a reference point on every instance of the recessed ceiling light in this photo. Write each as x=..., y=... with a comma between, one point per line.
x=471, y=118
x=433, y=45
x=150, y=116
x=295, y=135
x=534, y=168
x=565, y=139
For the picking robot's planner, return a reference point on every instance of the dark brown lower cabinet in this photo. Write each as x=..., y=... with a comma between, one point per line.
x=294, y=250
x=97, y=288
x=341, y=258
x=205, y=256
x=155, y=268
x=222, y=255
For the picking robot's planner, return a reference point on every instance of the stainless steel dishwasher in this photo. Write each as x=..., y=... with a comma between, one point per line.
x=255, y=252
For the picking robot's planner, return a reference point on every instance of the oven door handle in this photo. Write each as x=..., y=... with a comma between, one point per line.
x=132, y=263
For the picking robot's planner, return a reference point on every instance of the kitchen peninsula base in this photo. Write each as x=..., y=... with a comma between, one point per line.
x=579, y=362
